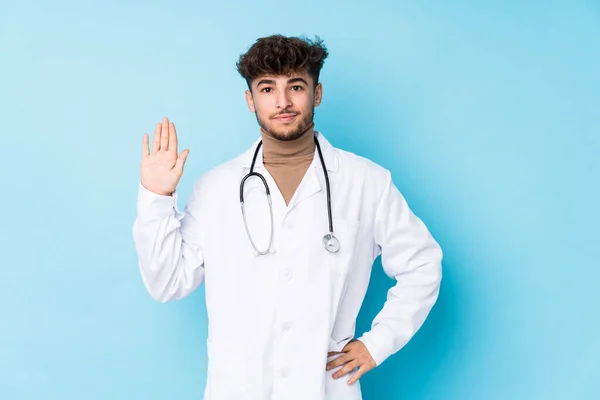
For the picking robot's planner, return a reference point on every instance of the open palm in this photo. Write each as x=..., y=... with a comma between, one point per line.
x=161, y=170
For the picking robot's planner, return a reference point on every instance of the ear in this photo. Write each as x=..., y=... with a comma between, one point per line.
x=250, y=101
x=318, y=94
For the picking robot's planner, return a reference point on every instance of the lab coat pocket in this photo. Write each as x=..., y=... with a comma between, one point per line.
x=226, y=376
x=348, y=232
x=339, y=388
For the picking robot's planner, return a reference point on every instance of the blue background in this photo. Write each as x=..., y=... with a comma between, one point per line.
x=487, y=114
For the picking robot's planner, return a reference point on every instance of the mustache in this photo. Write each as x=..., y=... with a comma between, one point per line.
x=285, y=112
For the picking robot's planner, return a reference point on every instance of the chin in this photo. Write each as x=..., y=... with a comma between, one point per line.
x=287, y=135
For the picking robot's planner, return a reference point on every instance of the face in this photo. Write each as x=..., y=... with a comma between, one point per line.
x=284, y=105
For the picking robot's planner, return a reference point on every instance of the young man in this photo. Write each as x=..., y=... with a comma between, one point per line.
x=285, y=274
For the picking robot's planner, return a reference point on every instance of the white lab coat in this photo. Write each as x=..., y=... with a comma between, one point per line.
x=273, y=318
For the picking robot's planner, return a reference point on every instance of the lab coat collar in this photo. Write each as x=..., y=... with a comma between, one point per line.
x=329, y=155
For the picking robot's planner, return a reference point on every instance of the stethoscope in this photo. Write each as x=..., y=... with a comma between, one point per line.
x=330, y=242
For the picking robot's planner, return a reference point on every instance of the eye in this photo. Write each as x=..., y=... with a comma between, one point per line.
x=266, y=90
x=297, y=88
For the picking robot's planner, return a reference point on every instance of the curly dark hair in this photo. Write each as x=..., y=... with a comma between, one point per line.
x=281, y=55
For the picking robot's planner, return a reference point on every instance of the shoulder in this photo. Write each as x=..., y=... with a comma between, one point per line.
x=213, y=179
x=358, y=167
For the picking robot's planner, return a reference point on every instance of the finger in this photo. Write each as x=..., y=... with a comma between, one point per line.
x=181, y=159
x=164, y=134
x=345, y=369
x=333, y=353
x=348, y=347
x=172, y=138
x=156, y=138
x=145, y=146
x=357, y=375
x=341, y=360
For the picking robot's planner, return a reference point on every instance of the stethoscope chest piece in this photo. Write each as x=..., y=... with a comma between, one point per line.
x=331, y=243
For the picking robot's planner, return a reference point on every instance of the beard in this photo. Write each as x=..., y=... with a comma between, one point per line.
x=287, y=133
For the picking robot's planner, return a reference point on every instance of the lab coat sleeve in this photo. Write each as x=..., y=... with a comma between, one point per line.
x=411, y=256
x=168, y=245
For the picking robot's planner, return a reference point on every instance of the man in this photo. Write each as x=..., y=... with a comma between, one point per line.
x=285, y=276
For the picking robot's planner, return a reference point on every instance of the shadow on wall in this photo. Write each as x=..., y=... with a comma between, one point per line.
x=409, y=374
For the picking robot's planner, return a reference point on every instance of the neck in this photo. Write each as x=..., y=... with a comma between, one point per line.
x=274, y=149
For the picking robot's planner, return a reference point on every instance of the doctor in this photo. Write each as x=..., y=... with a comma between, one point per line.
x=284, y=237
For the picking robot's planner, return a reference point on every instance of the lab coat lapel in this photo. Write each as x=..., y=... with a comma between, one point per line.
x=314, y=179
x=309, y=185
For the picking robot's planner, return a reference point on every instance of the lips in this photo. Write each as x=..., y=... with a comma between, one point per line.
x=285, y=117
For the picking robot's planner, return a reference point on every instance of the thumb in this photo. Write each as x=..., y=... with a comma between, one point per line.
x=181, y=159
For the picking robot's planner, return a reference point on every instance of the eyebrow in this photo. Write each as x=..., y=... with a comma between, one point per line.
x=265, y=82
x=294, y=80
x=272, y=82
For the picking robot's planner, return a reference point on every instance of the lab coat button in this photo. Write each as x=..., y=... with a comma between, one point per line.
x=287, y=274
x=286, y=326
x=289, y=225
x=284, y=374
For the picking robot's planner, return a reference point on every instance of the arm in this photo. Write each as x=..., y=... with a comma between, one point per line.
x=168, y=246
x=411, y=256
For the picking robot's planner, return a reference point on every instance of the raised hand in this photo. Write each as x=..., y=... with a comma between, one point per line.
x=161, y=170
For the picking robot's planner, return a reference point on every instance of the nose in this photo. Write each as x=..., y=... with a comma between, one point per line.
x=284, y=99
